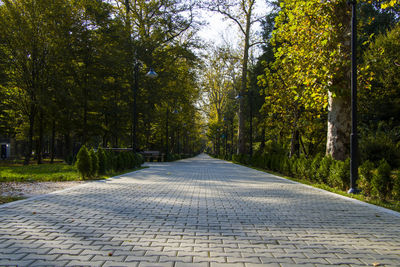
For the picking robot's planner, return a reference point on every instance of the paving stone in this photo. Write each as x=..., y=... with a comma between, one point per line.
x=216, y=264
x=184, y=264
x=198, y=212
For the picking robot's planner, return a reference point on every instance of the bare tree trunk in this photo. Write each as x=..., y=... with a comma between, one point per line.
x=40, y=140
x=339, y=109
x=53, y=140
x=29, y=149
x=339, y=127
x=294, y=143
x=262, y=145
x=241, y=128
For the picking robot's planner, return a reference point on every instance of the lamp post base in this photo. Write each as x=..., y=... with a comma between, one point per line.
x=354, y=191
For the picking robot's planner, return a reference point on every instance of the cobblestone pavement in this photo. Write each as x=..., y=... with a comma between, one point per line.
x=196, y=212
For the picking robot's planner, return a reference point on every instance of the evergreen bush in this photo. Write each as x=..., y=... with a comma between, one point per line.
x=315, y=164
x=339, y=174
x=324, y=169
x=293, y=165
x=396, y=186
x=94, y=163
x=365, y=177
x=381, y=180
x=119, y=161
x=101, y=155
x=83, y=162
x=379, y=146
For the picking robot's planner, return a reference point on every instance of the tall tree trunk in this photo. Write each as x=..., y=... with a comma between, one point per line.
x=241, y=128
x=339, y=127
x=262, y=145
x=68, y=146
x=40, y=140
x=294, y=142
x=53, y=140
x=339, y=109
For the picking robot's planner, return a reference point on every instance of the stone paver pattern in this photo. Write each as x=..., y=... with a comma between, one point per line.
x=196, y=212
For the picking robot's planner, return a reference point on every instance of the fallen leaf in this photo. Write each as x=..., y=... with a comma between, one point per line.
x=376, y=264
x=34, y=212
x=110, y=254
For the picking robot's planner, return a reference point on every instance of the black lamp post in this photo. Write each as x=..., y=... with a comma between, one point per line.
x=150, y=74
x=166, y=134
x=353, y=137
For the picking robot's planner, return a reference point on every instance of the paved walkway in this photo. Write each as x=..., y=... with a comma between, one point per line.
x=196, y=212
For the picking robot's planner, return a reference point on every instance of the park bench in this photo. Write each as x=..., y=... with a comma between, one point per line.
x=151, y=156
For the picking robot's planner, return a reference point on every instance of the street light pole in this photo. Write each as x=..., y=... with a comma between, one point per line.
x=166, y=136
x=135, y=89
x=251, y=122
x=353, y=137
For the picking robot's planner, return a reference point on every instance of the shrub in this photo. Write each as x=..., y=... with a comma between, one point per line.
x=377, y=147
x=293, y=165
x=365, y=177
x=315, y=164
x=339, y=174
x=83, y=162
x=94, y=163
x=396, y=187
x=324, y=168
x=303, y=167
x=101, y=155
x=119, y=161
x=381, y=180
x=285, y=169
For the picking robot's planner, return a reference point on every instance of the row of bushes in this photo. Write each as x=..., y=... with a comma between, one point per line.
x=375, y=181
x=91, y=163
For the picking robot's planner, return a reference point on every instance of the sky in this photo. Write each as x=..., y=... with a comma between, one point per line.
x=219, y=29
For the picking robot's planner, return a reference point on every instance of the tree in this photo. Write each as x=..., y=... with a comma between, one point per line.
x=242, y=14
x=382, y=101
x=219, y=83
x=313, y=62
x=83, y=162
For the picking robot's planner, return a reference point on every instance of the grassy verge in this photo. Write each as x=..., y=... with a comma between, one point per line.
x=392, y=205
x=7, y=199
x=45, y=173
x=39, y=173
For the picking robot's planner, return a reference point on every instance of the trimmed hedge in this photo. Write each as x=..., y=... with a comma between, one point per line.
x=92, y=163
x=378, y=183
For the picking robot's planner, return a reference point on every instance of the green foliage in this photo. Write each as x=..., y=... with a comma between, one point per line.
x=94, y=163
x=365, y=177
x=324, y=169
x=315, y=164
x=378, y=146
x=381, y=181
x=339, y=174
x=396, y=186
x=39, y=173
x=303, y=167
x=101, y=155
x=83, y=162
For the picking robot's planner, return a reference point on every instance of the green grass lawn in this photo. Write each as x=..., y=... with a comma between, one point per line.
x=39, y=173
x=4, y=199
x=47, y=173
x=44, y=173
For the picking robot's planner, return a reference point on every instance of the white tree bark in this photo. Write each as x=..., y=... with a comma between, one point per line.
x=339, y=127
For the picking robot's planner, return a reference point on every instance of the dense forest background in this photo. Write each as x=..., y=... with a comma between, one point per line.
x=70, y=71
